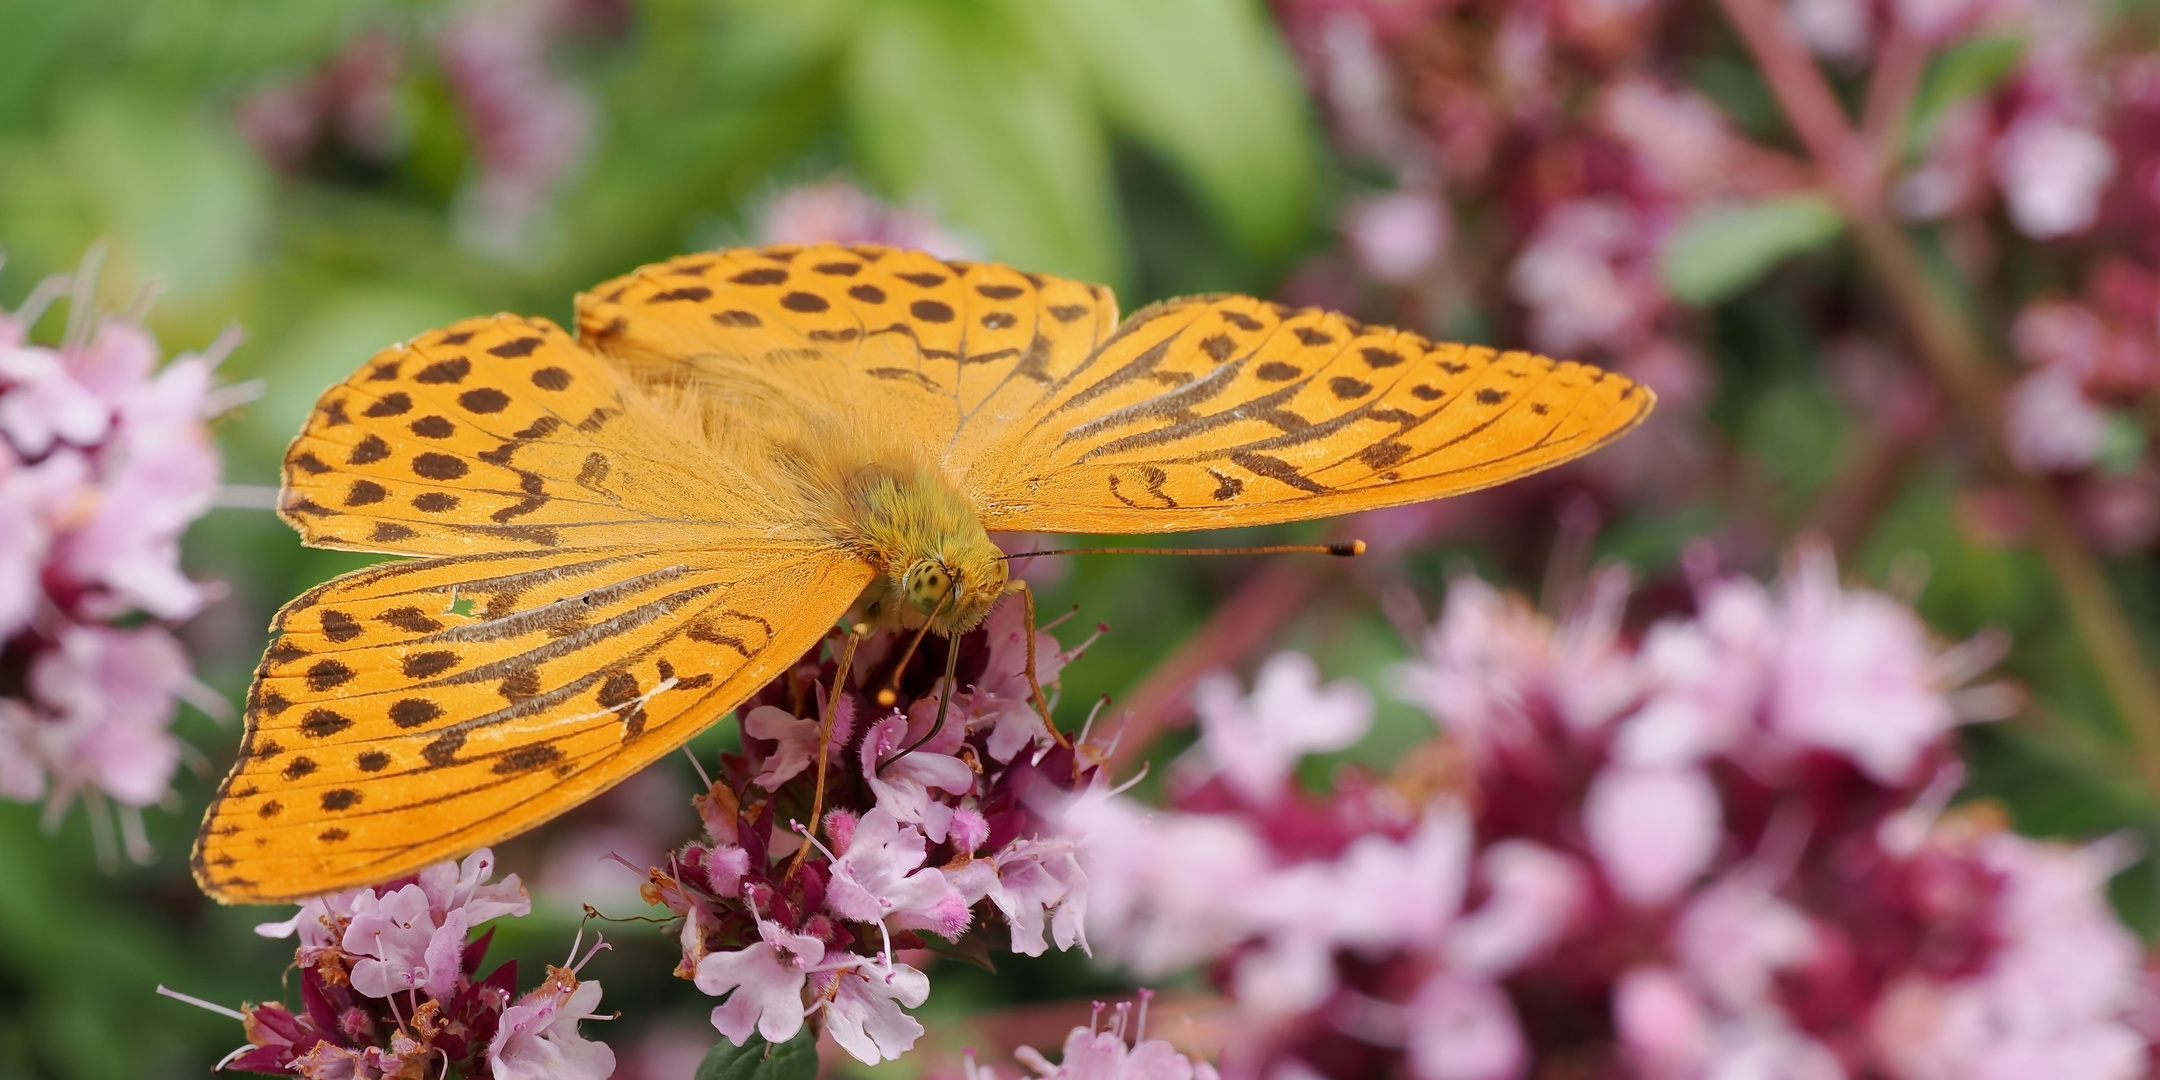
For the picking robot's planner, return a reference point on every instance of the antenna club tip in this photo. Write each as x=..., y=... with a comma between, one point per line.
x=886, y=697
x=1347, y=551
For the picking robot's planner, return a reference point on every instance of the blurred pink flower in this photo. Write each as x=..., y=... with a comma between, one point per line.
x=1856, y=674
x=112, y=696
x=1462, y=1029
x=1654, y=830
x=529, y=126
x=352, y=99
x=1397, y=236
x=1587, y=276
x=1661, y=1024
x=1256, y=741
x=1534, y=897
x=2052, y=174
x=838, y=212
x=1106, y=1054
x=2050, y=425
x=1841, y=30
x=39, y=498
x=104, y=461
x=1680, y=141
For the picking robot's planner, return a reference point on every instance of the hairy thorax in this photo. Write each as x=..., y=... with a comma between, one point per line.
x=933, y=559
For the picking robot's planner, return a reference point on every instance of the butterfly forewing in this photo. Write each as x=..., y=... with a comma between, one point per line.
x=1223, y=411
x=412, y=711
x=495, y=434
x=945, y=353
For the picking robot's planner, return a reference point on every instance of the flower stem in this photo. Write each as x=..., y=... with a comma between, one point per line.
x=1960, y=363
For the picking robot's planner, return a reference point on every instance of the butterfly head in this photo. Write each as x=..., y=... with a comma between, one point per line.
x=934, y=560
x=955, y=587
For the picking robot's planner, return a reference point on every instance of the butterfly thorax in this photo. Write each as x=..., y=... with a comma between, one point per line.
x=933, y=559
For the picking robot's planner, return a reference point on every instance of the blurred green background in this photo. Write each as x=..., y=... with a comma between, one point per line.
x=1162, y=146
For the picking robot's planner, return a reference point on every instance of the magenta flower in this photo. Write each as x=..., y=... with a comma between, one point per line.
x=763, y=982
x=391, y=988
x=537, y=1038
x=882, y=875
x=925, y=836
x=904, y=785
x=863, y=1012
x=797, y=739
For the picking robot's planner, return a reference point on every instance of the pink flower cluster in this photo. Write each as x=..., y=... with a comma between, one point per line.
x=104, y=460
x=1720, y=849
x=390, y=988
x=1102, y=1051
x=530, y=126
x=928, y=831
x=2073, y=416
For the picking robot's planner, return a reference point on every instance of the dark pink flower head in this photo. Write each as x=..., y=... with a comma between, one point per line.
x=931, y=829
x=391, y=987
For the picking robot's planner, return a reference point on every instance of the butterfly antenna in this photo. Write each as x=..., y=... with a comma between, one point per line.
x=1349, y=549
x=952, y=664
x=825, y=724
x=891, y=694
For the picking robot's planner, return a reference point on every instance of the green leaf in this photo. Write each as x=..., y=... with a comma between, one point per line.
x=2122, y=444
x=1720, y=250
x=795, y=1059
x=1963, y=71
x=1207, y=86
x=972, y=108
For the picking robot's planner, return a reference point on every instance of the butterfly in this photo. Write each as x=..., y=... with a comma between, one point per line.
x=625, y=533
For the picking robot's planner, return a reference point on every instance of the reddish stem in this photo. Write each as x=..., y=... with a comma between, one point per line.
x=1960, y=362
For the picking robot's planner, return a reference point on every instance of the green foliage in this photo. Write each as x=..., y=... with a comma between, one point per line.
x=1962, y=71
x=795, y=1059
x=1721, y=250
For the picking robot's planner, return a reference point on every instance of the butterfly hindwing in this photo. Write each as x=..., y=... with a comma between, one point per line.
x=412, y=711
x=493, y=434
x=1223, y=411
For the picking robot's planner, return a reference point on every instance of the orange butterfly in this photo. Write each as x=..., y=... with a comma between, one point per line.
x=629, y=532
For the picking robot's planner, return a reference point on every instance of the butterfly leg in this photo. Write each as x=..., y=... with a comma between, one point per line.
x=1041, y=703
x=825, y=726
